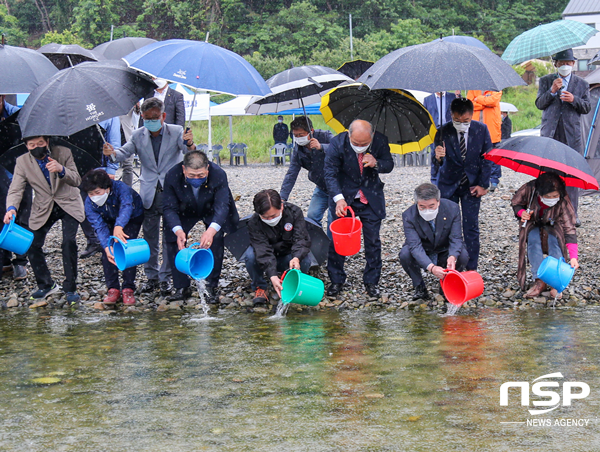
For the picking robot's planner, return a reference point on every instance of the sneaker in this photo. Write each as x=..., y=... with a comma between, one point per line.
x=128, y=298
x=19, y=273
x=112, y=296
x=260, y=297
x=213, y=295
x=73, y=298
x=493, y=187
x=149, y=286
x=41, y=294
x=165, y=288
x=180, y=294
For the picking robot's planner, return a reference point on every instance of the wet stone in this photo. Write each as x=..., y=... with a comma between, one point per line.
x=99, y=306
x=39, y=304
x=12, y=303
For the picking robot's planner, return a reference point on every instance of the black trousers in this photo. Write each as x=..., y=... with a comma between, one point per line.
x=412, y=268
x=87, y=228
x=469, y=206
x=111, y=272
x=181, y=280
x=69, y=251
x=371, y=225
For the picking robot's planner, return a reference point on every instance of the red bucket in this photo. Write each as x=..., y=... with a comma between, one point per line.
x=461, y=287
x=345, y=233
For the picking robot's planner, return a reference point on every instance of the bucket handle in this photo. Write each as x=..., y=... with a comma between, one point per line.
x=194, y=244
x=110, y=247
x=283, y=275
x=353, y=217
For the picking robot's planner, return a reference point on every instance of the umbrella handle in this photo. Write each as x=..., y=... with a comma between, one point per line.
x=525, y=222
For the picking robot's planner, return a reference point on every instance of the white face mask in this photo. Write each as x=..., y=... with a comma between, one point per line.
x=429, y=214
x=550, y=202
x=100, y=199
x=302, y=141
x=273, y=221
x=461, y=126
x=360, y=149
x=565, y=70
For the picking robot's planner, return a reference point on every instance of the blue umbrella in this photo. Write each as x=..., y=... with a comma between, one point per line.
x=199, y=65
x=466, y=40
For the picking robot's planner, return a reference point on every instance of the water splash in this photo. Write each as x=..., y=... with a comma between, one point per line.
x=282, y=310
x=202, y=294
x=453, y=309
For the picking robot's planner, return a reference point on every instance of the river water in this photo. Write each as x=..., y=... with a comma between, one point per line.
x=320, y=381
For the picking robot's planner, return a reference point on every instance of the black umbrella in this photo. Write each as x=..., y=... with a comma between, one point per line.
x=239, y=241
x=441, y=66
x=23, y=70
x=119, y=48
x=354, y=69
x=67, y=55
x=81, y=96
x=85, y=145
x=395, y=113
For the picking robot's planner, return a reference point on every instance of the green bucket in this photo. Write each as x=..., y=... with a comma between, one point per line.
x=300, y=288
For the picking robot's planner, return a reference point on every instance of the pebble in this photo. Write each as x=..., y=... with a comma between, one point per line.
x=39, y=304
x=12, y=303
x=99, y=306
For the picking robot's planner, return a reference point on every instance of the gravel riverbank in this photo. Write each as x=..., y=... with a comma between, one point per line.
x=497, y=263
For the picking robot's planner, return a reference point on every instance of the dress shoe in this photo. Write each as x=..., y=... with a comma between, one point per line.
x=421, y=293
x=112, y=296
x=165, y=288
x=538, y=287
x=90, y=250
x=333, y=289
x=213, y=295
x=260, y=297
x=128, y=298
x=577, y=222
x=149, y=286
x=493, y=187
x=372, y=290
x=19, y=273
x=180, y=294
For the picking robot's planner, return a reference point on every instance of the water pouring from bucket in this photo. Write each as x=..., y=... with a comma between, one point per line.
x=461, y=287
x=557, y=273
x=197, y=263
x=346, y=233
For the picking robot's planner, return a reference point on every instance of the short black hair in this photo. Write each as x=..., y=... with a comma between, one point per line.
x=153, y=102
x=461, y=105
x=195, y=160
x=301, y=123
x=96, y=178
x=265, y=199
x=46, y=138
x=549, y=182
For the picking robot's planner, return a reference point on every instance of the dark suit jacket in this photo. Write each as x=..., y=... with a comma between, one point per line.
x=554, y=109
x=342, y=173
x=477, y=168
x=430, y=103
x=420, y=238
x=174, y=108
x=213, y=204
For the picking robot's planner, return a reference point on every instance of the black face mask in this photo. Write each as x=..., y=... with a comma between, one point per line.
x=39, y=152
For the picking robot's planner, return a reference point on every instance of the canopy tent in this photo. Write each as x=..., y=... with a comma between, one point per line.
x=201, y=104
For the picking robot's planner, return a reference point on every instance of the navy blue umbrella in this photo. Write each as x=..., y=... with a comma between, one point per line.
x=199, y=65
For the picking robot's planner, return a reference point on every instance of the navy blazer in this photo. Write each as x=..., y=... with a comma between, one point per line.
x=213, y=204
x=555, y=109
x=478, y=169
x=420, y=238
x=342, y=173
x=430, y=103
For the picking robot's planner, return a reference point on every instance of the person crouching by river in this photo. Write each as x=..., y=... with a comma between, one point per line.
x=113, y=209
x=279, y=241
x=543, y=203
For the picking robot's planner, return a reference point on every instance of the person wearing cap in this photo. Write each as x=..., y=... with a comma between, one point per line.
x=353, y=163
x=113, y=209
x=51, y=172
x=563, y=97
x=173, y=100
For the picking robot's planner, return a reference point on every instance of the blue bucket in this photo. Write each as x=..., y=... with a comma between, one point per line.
x=130, y=254
x=197, y=263
x=557, y=273
x=15, y=238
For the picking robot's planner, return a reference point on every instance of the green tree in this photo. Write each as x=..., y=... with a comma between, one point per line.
x=10, y=29
x=66, y=37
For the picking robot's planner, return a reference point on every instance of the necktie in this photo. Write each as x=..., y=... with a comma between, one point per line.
x=463, y=154
x=432, y=224
x=363, y=198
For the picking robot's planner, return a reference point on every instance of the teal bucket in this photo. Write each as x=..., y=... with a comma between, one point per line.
x=134, y=252
x=301, y=288
x=557, y=273
x=197, y=263
x=15, y=238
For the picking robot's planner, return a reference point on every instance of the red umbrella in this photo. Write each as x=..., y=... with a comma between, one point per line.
x=537, y=155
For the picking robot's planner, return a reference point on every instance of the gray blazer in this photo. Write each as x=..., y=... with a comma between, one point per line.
x=172, y=149
x=553, y=109
x=422, y=241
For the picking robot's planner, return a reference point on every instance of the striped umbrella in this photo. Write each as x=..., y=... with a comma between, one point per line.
x=548, y=39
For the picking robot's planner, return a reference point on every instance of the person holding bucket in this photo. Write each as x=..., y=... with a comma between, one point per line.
x=353, y=163
x=279, y=241
x=113, y=209
x=433, y=231
x=546, y=217
x=197, y=191
x=52, y=174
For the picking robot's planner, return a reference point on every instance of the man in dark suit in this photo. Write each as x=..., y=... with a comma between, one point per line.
x=353, y=163
x=197, y=191
x=432, y=228
x=564, y=97
x=173, y=100
x=438, y=106
x=464, y=173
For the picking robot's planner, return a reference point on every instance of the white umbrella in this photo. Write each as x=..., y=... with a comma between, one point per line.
x=509, y=108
